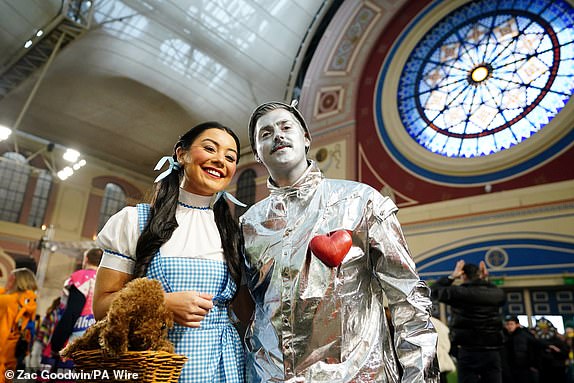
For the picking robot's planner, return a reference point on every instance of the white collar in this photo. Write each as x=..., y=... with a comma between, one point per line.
x=194, y=200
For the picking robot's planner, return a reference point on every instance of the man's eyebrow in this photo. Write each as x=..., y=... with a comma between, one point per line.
x=280, y=122
x=217, y=144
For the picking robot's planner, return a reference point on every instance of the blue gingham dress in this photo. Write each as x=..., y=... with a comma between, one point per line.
x=214, y=350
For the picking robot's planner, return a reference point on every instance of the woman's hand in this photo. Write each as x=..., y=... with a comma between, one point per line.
x=189, y=307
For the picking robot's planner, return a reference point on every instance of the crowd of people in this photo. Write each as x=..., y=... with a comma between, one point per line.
x=488, y=348
x=28, y=340
x=318, y=274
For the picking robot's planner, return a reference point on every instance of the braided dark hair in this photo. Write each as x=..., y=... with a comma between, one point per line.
x=162, y=222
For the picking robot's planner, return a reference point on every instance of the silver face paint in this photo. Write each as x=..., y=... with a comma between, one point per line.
x=280, y=142
x=315, y=323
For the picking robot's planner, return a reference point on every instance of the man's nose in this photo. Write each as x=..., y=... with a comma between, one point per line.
x=278, y=135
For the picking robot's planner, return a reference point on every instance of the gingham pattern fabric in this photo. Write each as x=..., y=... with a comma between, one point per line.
x=215, y=353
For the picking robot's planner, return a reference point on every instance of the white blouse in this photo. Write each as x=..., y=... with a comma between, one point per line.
x=195, y=237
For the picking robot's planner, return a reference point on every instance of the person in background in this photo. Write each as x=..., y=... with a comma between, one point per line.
x=521, y=353
x=17, y=308
x=476, y=324
x=555, y=353
x=321, y=255
x=445, y=362
x=569, y=334
x=76, y=305
x=188, y=240
x=41, y=355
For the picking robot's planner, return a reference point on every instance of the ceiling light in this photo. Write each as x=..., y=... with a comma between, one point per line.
x=65, y=173
x=79, y=164
x=39, y=33
x=4, y=132
x=28, y=44
x=71, y=155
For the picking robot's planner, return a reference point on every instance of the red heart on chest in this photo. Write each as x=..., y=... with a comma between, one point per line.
x=331, y=248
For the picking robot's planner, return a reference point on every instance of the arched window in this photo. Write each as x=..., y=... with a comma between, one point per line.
x=40, y=198
x=114, y=200
x=14, y=175
x=245, y=191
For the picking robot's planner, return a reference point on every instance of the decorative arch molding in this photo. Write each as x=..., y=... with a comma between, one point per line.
x=131, y=191
x=505, y=257
x=95, y=201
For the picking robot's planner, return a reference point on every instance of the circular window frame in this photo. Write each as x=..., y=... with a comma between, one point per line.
x=422, y=163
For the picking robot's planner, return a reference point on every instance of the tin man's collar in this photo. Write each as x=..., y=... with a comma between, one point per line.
x=303, y=187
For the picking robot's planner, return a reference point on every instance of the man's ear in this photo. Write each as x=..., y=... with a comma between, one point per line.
x=307, y=143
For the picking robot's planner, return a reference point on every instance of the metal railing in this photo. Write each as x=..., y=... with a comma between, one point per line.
x=72, y=21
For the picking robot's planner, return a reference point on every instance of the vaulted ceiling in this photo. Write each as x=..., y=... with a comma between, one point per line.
x=138, y=73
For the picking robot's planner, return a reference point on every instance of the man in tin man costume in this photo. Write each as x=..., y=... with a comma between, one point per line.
x=320, y=256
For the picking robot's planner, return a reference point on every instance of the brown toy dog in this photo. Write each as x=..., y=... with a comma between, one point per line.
x=138, y=320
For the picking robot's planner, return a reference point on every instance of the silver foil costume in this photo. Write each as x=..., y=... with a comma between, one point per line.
x=314, y=323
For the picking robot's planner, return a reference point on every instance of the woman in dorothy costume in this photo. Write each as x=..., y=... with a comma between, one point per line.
x=187, y=239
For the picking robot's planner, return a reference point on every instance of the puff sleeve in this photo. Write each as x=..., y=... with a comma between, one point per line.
x=118, y=239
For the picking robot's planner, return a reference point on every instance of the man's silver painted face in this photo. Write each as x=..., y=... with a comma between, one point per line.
x=280, y=141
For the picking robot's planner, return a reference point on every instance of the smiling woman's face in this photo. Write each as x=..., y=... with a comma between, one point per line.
x=210, y=162
x=280, y=142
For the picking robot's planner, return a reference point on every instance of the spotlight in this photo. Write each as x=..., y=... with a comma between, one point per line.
x=65, y=173
x=4, y=133
x=71, y=155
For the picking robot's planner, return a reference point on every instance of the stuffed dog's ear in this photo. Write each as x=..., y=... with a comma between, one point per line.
x=114, y=337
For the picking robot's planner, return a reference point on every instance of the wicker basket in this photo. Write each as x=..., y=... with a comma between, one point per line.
x=150, y=366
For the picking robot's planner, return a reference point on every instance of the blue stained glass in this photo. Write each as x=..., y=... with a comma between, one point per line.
x=564, y=85
x=468, y=148
x=521, y=129
x=566, y=56
x=565, y=37
x=554, y=101
x=566, y=19
x=489, y=77
x=506, y=139
x=425, y=135
x=416, y=129
x=432, y=114
x=509, y=114
x=547, y=58
x=438, y=143
x=519, y=4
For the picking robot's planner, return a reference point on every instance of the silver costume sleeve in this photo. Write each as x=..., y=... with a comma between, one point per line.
x=408, y=297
